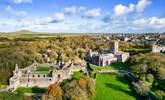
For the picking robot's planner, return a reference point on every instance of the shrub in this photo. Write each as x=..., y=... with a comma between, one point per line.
x=150, y=78
x=54, y=92
x=81, y=89
x=10, y=96
x=141, y=88
x=160, y=95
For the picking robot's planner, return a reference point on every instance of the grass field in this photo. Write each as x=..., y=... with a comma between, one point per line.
x=113, y=87
x=11, y=96
x=113, y=66
x=75, y=76
x=139, y=49
x=30, y=90
x=43, y=69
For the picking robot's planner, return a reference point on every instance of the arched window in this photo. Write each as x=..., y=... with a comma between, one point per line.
x=33, y=75
x=38, y=75
x=59, y=75
x=43, y=75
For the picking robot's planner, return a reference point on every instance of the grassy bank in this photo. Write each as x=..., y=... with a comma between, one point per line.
x=113, y=66
x=30, y=90
x=113, y=87
x=11, y=96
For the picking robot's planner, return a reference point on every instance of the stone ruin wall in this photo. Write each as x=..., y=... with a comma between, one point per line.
x=158, y=48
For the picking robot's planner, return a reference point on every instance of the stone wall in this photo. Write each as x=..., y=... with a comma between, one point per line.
x=158, y=49
x=28, y=77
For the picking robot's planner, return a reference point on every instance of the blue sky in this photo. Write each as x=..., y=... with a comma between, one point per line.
x=81, y=16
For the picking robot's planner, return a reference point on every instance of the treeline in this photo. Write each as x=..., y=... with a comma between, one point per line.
x=150, y=70
x=76, y=47
x=82, y=89
x=24, y=53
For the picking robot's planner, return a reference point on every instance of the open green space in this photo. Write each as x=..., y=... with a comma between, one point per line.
x=113, y=66
x=75, y=76
x=43, y=69
x=113, y=87
x=11, y=96
x=139, y=49
x=30, y=90
x=36, y=36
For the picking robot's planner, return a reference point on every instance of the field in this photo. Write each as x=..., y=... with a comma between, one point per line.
x=43, y=69
x=113, y=87
x=75, y=76
x=11, y=96
x=30, y=90
x=113, y=66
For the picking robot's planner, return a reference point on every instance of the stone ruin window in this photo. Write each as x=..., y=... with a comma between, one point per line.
x=59, y=75
x=43, y=75
x=50, y=79
x=107, y=63
x=38, y=75
x=33, y=75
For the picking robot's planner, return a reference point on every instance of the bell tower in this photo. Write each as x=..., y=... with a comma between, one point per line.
x=113, y=47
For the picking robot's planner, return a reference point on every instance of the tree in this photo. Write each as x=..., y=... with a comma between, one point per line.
x=54, y=92
x=150, y=63
x=141, y=88
x=81, y=89
x=150, y=78
x=160, y=95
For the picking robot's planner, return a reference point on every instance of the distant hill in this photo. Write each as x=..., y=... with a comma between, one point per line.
x=24, y=32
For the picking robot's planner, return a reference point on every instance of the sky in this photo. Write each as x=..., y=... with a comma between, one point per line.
x=83, y=16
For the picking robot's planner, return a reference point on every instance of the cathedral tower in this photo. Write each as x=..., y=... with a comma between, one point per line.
x=113, y=47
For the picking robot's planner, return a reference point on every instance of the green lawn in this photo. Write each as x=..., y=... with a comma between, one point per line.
x=43, y=69
x=113, y=66
x=113, y=87
x=75, y=76
x=11, y=96
x=30, y=90
x=140, y=49
x=101, y=68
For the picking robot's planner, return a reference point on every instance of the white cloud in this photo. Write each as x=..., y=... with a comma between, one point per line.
x=92, y=13
x=139, y=7
x=21, y=1
x=21, y=13
x=70, y=10
x=82, y=8
x=121, y=9
x=73, y=10
x=142, y=4
x=59, y=17
x=9, y=10
x=152, y=22
x=42, y=21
